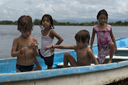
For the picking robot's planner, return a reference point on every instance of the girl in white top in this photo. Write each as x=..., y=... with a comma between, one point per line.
x=47, y=37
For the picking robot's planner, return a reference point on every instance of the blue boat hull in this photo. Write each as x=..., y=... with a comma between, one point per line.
x=8, y=69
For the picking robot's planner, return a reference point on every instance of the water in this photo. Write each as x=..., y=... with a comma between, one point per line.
x=9, y=32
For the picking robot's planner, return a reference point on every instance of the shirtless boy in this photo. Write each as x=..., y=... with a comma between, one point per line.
x=24, y=47
x=84, y=53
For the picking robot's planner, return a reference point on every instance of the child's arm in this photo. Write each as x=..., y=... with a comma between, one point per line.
x=14, y=48
x=90, y=53
x=35, y=47
x=54, y=34
x=60, y=39
x=92, y=38
x=113, y=39
x=15, y=52
x=61, y=47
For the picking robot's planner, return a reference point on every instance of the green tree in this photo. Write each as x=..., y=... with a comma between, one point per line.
x=15, y=22
x=118, y=22
x=6, y=22
x=37, y=22
x=55, y=22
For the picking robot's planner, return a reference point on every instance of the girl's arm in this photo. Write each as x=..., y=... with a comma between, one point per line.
x=61, y=47
x=92, y=38
x=113, y=39
x=54, y=34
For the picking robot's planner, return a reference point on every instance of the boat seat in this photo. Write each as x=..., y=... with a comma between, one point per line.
x=62, y=64
x=122, y=49
x=117, y=57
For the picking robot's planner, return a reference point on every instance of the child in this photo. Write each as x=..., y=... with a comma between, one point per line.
x=24, y=46
x=105, y=39
x=84, y=53
x=47, y=37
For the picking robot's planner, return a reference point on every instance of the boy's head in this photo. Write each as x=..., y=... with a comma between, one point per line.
x=25, y=23
x=82, y=36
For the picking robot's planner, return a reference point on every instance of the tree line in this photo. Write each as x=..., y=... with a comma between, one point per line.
x=37, y=22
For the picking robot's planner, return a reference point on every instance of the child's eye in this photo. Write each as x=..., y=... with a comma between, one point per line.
x=48, y=21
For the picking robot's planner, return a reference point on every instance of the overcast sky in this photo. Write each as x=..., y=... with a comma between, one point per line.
x=63, y=9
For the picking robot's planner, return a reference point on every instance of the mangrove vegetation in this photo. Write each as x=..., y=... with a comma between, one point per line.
x=37, y=22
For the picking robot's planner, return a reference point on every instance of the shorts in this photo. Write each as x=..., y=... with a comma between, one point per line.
x=24, y=68
x=48, y=60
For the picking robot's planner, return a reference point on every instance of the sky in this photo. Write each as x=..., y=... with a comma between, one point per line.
x=72, y=10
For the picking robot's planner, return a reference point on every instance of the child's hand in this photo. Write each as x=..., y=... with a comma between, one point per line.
x=52, y=49
x=33, y=45
x=24, y=50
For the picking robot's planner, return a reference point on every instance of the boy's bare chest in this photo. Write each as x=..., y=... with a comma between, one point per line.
x=24, y=43
x=29, y=50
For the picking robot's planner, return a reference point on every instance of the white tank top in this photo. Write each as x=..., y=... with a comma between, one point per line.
x=46, y=41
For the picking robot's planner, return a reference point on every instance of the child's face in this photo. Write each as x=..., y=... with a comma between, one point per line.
x=102, y=19
x=80, y=44
x=46, y=23
x=26, y=34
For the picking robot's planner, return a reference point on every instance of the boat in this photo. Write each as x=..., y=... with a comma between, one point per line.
x=82, y=75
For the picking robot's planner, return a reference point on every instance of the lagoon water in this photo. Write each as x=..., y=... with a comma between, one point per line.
x=9, y=32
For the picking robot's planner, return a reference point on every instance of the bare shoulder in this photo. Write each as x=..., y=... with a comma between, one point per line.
x=52, y=31
x=15, y=42
x=54, y=34
x=34, y=39
x=16, y=39
x=89, y=51
x=75, y=47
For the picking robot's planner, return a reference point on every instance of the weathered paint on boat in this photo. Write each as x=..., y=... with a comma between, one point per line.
x=85, y=75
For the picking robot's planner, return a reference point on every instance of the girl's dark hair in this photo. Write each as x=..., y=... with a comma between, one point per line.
x=82, y=35
x=25, y=23
x=104, y=12
x=48, y=17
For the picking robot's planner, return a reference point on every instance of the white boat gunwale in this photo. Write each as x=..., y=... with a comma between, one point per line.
x=32, y=75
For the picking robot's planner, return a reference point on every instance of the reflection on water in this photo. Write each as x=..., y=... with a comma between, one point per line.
x=9, y=32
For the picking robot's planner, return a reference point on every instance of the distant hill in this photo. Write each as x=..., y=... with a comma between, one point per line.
x=83, y=20
x=77, y=20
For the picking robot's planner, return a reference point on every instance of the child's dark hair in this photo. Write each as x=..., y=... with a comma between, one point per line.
x=25, y=23
x=82, y=35
x=48, y=17
x=104, y=12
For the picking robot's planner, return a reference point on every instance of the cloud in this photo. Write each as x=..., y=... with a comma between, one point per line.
x=3, y=2
x=62, y=9
x=29, y=2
